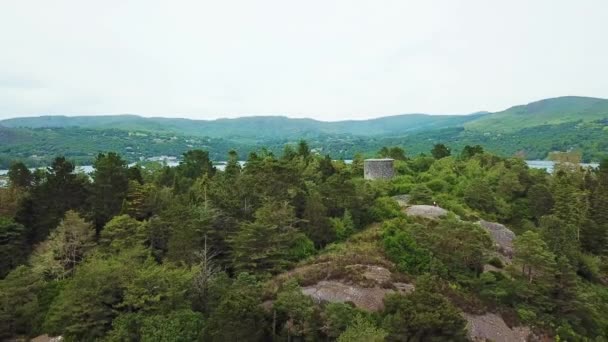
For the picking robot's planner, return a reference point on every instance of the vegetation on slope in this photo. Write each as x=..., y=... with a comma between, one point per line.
x=553, y=111
x=193, y=253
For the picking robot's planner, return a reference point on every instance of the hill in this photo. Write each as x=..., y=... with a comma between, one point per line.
x=531, y=130
x=249, y=127
x=545, y=112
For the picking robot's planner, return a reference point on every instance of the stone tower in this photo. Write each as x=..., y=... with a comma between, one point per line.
x=378, y=168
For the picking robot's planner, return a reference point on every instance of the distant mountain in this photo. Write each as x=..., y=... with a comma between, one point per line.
x=545, y=112
x=531, y=130
x=258, y=127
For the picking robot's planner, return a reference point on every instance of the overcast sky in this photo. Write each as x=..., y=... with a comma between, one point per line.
x=324, y=59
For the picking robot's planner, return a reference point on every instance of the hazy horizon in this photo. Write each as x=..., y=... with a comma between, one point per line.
x=329, y=61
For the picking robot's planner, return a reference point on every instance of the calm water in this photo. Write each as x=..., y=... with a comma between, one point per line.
x=534, y=164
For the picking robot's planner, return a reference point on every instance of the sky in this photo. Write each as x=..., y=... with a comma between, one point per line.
x=329, y=60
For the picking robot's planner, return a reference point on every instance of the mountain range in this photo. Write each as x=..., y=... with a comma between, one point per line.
x=562, y=123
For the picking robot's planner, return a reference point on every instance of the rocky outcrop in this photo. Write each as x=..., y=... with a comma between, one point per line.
x=426, y=211
x=491, y=327
x=502, y=237
x=365, y=297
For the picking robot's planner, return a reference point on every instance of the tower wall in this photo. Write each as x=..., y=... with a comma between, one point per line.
x=378, y=168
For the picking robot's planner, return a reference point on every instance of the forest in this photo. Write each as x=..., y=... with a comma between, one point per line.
x=191, y=253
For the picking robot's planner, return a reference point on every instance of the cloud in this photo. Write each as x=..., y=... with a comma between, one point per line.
x=324, y=59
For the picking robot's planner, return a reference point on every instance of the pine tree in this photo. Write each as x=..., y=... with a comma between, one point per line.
x=534, y=257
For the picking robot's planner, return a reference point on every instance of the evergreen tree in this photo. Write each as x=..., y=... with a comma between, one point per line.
x=440, y=151
x=65, y=248
x=532, y=254
x=19, y=175
x=13, y=246
x=263, y=245
x=315, y=221
x=110, y=187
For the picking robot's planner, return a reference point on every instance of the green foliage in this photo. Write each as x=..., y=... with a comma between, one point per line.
x=165, y=265
x=403, y=250
x=263, y=245
x=532, y=253
x=440, y=151
x=65, y=248
x=421, y=194
x=12, y=242
x=385, y=208
x=362, y=330
x=422, y=315
x=238, y=316
x=294, y=310
x=111, y=182
x=19, y=175
x=394, y=152
x=343, y=227
x=121, y=233
x=19, y=302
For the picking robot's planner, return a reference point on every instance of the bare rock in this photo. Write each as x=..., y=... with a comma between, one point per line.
x=426, y=211
x=47, y=338
x=491, y=327
x=368, y=298
x=502, y=237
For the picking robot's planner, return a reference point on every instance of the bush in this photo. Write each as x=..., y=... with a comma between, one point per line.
x=437, y=185
x=496, y=262
x=421, y=194
x=385, y=208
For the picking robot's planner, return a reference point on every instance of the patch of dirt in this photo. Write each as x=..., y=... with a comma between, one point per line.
x=491, y=327
x=426, y=211
x=502, y=237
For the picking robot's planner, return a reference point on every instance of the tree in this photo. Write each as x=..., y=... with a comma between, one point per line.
x=263, y=245
x=19, y=175
x=402, y=249
x=110, y=187
x=316, y=223
x=88, y=303
x=337, y=317
x=440, y=151
x=239, y=316
x=469, y=151
x=394, y=152
x=197, y=227
x=559, y=236
x=195, y=164
x=43, y=209
x=295, y=310
x=541, y=200
x=157, y=289
x=326, y=167
x=122, y=233
x=233, y=168
x=569, y=201
x=303, y=149
x=421, y=194
x=362, y=330
x=19, y=302
x=66, y=247
x=422, y=315
x=532, y=253
x=134, y=174
x=343, y=227
x=480, y=196
x=13, y=245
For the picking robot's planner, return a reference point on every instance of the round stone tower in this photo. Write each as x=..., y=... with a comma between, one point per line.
x=378, y=168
